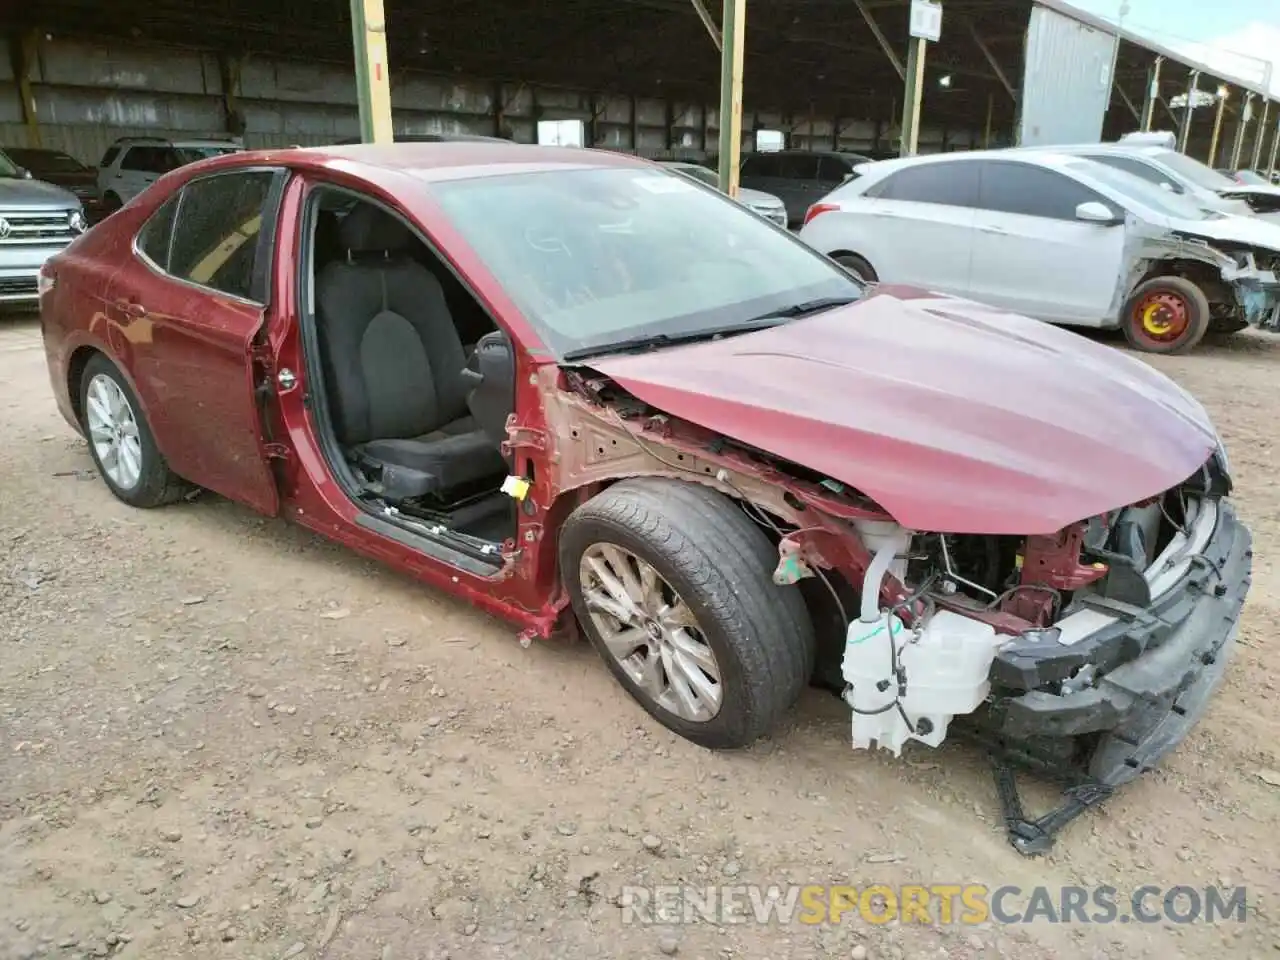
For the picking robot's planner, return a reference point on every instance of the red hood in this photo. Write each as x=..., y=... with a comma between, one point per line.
x=953, y=416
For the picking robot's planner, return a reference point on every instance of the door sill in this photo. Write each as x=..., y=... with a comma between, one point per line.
x=469, y=554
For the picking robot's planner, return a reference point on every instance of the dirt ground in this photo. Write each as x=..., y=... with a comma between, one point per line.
x=223, y=737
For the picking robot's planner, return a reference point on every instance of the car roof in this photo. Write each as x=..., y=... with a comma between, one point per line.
x=444, y=160
x=1038, y=156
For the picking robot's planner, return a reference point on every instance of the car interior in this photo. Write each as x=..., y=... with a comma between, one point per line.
x=417, y=380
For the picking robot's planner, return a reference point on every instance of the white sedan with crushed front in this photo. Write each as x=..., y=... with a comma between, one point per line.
x=1056, y=237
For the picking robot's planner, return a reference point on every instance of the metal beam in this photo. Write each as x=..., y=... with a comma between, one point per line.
x=1128, y=102
x=1217, y=130
x=992, y=61
x=731, y=54
x=373, y=82
x=1275, y=149
x=1242, y=127
x=25, y=51
x=705, y=16
x=1184, y=129
x=910, y=139
x=1153, y=94
x=880, y=38
x=1262, y=135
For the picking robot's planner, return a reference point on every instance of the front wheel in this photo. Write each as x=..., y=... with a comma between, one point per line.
x=672, y=583
x=1166, y=315
x=120, y=440
x=857, y=266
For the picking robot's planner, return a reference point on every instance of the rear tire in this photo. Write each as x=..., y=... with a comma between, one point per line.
x=664, y=575
x=1166, y=315
x=120, y=439
x=857, y=266
x=110, y=204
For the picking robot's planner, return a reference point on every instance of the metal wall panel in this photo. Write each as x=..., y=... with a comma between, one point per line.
x=1066, y=84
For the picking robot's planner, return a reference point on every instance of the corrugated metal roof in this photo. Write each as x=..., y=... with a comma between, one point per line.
x=1061, y=6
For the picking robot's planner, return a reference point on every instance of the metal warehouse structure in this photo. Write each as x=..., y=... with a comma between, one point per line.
x=644, y=75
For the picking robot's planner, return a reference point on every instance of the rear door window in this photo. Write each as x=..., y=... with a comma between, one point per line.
x=1023, y=188
x=799, y=166
x=219, y=240
x=760, y=165
x=953, y=184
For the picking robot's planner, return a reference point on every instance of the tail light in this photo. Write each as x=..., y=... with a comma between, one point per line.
x=818, y=208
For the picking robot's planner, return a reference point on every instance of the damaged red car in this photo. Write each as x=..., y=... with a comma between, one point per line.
x=577, y=389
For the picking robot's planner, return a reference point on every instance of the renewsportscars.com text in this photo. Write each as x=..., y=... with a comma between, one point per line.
x=955, y=904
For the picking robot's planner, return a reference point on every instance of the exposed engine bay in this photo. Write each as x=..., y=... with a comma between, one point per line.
x=953, y=649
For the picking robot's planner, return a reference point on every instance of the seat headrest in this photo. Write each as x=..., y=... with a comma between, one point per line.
x=367, y=229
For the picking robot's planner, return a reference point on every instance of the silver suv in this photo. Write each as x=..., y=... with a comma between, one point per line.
x=37, y=220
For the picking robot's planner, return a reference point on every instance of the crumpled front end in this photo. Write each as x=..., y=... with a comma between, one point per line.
x=1090, y=654
x=1255, y=281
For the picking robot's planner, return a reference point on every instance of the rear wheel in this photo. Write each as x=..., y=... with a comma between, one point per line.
x=111, y=203
x=1166, y=315
x=857, y=266
x=672, y=583
x=120, y=440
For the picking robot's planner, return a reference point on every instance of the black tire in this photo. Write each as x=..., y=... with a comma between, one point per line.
x=720, y=563
x=110, y=204
x=1175, y=303
x=857, y=266
x=157, y=485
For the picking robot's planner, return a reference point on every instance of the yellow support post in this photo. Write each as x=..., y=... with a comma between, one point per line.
x=25, y=53
x=733, y=33
x=373, y=81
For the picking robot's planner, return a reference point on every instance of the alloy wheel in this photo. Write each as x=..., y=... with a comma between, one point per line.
x=651, y=632
x=113, y=431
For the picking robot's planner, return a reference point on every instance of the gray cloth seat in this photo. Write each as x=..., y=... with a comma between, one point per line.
x=394, y=365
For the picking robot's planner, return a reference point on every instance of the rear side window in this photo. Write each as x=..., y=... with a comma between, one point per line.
x=953, y=184
x=109, y=157
x=834, y=169
x=218, y=237
x=153, y=240
x=1137, y=168
x=1031, y=191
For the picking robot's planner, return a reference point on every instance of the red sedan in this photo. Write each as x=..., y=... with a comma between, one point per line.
x=580, y=390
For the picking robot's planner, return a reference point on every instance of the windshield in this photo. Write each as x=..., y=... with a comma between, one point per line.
x=191, y=153
x=1252, y=179
x=597, y=256
x=1193, y=170
x=7, y=167
x=1143, y=191
x=46, y=161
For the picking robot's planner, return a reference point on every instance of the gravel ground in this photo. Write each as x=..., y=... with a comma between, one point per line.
x=222, y=737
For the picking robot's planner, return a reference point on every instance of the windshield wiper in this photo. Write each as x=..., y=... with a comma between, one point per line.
x=652, y=340
x=805, y=309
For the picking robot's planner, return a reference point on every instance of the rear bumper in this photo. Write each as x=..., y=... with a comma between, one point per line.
x=1157, y=667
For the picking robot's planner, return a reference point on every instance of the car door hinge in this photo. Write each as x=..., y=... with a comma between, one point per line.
x=276, y=451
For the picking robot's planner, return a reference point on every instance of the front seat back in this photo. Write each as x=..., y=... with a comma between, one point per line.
x=392, y=356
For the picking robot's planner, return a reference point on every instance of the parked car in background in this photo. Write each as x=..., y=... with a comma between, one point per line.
x=799, y=178
x=1057, y=237
x=574, y=388
x=1182, y=175
x=765, y=204
x=1250, y=178
x=37, y=220
x=132, y=164
x=62, y=170
x=430, y=138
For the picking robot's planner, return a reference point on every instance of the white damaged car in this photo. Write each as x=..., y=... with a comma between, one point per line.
x=1057, y=237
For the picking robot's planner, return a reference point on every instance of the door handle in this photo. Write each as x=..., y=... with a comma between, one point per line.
x=131, y=308
x=996, y=230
